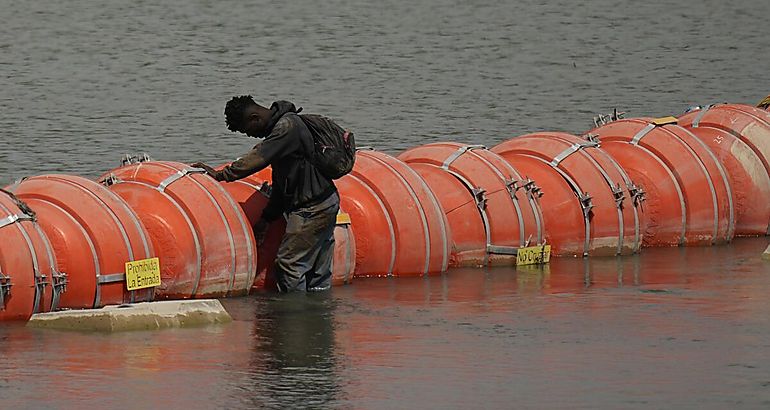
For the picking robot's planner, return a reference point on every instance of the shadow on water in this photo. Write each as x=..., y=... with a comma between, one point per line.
x=293, y=362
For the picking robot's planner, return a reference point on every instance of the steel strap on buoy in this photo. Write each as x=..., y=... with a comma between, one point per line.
x=696, y=121
x=177, y=176
x=571, y=150
x=39, y=278
x=511, y=187
x=618, y=196
x=479, y=197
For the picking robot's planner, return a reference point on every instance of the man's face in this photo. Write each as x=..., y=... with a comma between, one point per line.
x=253, y=124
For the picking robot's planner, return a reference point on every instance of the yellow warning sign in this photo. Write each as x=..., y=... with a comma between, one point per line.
x=343, y=219
x=533, y=255
x=664, y=120
x=142, y=274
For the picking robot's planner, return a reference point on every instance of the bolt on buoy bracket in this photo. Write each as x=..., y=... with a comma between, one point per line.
x=5, y=289
x=129, y=159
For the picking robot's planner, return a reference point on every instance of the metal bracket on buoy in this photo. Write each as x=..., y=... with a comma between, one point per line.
x=604, y=119
x=480, y=196
x=513, y=187
x=586, y=203
x=11, y=219
x=111, y=180
x=40, y=285
x=637, y=194
x=532, y=189
x=617, y=193
x=592, y=138
x=129, y=159
x=59, y=280
x=5, y=289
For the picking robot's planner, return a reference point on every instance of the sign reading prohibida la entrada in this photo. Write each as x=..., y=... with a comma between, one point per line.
x=143, y=274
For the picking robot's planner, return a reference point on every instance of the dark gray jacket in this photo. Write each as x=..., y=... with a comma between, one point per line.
x=286, y=148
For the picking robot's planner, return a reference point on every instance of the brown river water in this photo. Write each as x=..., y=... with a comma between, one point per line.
x=84, y=82
x=673, y=328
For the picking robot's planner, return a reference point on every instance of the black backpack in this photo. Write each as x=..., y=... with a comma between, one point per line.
x=335, y=148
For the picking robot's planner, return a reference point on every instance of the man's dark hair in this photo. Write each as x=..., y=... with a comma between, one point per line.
x=234, y=111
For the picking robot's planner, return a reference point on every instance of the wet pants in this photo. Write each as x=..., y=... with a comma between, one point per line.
x=304, y=259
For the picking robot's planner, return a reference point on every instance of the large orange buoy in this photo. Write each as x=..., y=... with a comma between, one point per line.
x=758, y=112
x=399, y=225
x=749, y=181
x=29, y=280
x=745, y=122
x=606, y=199
x=252, y=195
x=205, y=244
x=679, y=173
x=490, y=208
x=93, y=234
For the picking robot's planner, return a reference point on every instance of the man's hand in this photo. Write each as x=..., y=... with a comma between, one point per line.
x=210, y=171
x=260, y=229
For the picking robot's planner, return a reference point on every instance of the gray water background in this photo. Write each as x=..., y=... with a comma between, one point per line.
x=83, y=82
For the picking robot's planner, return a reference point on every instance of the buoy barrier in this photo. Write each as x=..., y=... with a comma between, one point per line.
x=93, y=234
x=399, y=226
x=679, y=174
x=251, y=193
x=605, y=219
x=203, y=239
x=749, y=181
x=749, y=124
x=29, y=280
x=490, y=207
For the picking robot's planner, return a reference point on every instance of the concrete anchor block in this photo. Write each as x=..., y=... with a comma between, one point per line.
x=139, y=316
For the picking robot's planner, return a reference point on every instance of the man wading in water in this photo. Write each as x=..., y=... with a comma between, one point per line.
x=304, y=194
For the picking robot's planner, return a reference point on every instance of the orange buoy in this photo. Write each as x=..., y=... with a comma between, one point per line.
x=205, y=244
x=93, y=234
x=606, y=199
x=251, y=195
x=29, y=280
x=679, y=174
x=490, y=208
x=749, y=182
x=758, y=112
x=399, y=226
x=747, y=123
